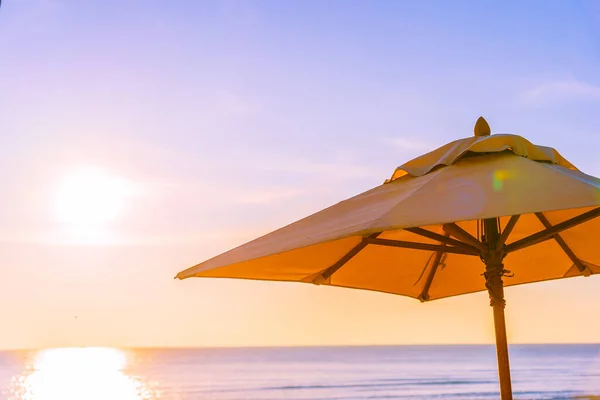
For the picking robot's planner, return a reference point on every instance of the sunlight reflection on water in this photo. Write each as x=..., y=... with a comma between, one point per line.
x=78, y=374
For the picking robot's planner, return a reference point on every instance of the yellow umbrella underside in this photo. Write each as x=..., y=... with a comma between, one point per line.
x=369, y=241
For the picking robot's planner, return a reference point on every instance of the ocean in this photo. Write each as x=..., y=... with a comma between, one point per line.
x=299, y=373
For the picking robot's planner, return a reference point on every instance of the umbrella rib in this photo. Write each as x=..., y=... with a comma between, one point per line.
x=421, y=246
x=561, y=242
x=548, y=233
x=424, y=296
x=347, y=257
x=507, y=231
x=465, y=236
x=442, y=239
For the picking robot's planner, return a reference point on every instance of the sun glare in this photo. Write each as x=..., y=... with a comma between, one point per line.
x=90, y=197
x=77, y=374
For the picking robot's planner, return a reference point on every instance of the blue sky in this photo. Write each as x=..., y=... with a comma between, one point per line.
x=287, y=95
x=232, y=118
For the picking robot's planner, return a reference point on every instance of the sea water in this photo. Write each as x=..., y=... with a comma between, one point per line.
x=299, y=373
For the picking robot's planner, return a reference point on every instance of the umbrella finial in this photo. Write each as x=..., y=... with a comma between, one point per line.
x=482, y=128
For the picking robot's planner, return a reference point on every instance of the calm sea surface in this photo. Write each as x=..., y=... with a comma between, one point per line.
x=409, y=372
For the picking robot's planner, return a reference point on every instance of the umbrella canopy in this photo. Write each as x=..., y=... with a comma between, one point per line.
x=424, y=232
x=462, y=183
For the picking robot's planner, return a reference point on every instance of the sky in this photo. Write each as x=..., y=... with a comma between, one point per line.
x=140, y=138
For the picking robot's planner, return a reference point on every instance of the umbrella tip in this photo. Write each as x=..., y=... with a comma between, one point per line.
x=482, y=128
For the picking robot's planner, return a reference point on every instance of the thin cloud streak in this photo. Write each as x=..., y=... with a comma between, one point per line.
x=410, y=145
x=269, y=196
x=561, y=91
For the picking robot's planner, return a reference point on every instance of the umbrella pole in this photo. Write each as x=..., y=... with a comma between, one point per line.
x=502, y=353
x=494, y=270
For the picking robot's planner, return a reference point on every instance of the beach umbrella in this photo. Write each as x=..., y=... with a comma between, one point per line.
x=479, y=213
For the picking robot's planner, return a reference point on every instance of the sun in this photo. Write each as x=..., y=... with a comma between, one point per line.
x=90, y=197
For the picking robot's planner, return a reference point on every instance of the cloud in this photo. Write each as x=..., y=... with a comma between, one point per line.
x=269, y=196
x=338, y=171
x=410, y=147
x=223, y=238
x=410, y=144
x=560, y=91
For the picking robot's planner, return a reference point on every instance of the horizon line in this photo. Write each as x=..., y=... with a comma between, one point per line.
x=4, y=350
